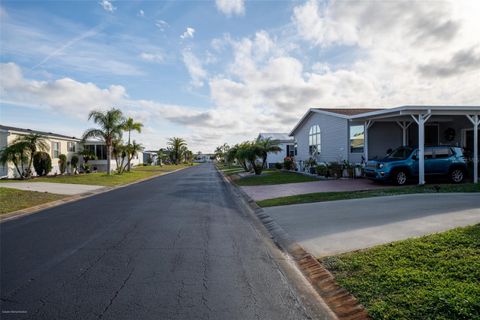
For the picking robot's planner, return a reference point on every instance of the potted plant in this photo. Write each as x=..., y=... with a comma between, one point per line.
x=322, y=170
x=288, y=163
x=311, y=165
x=346, y=169
x=335, y=169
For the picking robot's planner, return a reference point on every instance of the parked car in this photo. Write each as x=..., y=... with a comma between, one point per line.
x=401, y=165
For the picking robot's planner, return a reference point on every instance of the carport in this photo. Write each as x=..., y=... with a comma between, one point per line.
x=446, y=125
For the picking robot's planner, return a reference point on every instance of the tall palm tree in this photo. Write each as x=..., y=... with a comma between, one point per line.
x=32, y=142
x=111, y=127
x=15, y=153
x=265, y=146
x=176, y=145
x=129, y=125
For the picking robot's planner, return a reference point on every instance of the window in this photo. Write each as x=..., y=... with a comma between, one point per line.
x=357, y=139
x=442, y=153
x=314, y=140
x=101, y=152
x=55, y=149
x=71, y=146
x=431, y=134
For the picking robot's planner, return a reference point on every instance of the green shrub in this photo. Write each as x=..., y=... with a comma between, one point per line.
x=42, y=163
x=322, y=170
x=62, y=163
x=335, y=169
x=278, y=166
x=288, y=163
x=74, y=163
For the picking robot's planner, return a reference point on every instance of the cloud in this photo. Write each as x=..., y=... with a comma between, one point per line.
x=194, y=67
x=189, y=33
x=231, y=7
x=152, y=57
x=462, y=61
x=141, y=13
x=161, y=24
x=107, y=5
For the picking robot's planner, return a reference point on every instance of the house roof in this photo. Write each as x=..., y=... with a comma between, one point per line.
x=43, y=133
x=275, y=136
x=349, y=111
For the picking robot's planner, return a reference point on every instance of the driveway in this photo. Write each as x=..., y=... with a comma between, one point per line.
x=328, y=228
x=263, y=192
x=174, y=247
x=58, y=188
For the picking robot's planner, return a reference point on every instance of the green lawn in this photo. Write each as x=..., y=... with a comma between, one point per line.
x=270, y=177
x=102, y=179
x=331, y=196
x=433, y=277
x=229, y=170
x=13, y=200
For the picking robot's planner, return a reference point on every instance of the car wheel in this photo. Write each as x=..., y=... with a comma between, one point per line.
x=457, y=175
x=401, y=177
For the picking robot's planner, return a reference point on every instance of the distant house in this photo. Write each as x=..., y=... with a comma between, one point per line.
x=99, y=149
x=204, y=157
x=58, y=144
x=285, y=142
x=150, y=155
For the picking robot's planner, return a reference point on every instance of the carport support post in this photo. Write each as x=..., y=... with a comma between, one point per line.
x=475, y=121
x=404, y=125
x=368, y=124
x=422, y=118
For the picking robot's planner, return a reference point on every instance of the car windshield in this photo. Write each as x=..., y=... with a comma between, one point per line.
x=400, y=153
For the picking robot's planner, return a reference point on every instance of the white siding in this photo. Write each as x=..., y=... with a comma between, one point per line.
x=273, y=158
x=334, y=138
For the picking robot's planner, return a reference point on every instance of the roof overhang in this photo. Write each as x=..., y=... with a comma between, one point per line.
x=408, y=111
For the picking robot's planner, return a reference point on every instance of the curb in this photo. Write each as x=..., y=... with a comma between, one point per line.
x=68, y=199
x=341, y=302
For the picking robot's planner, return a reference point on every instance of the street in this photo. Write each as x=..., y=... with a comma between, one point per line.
x=174, y=247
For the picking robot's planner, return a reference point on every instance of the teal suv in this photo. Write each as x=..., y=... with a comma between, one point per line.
x=401, y=165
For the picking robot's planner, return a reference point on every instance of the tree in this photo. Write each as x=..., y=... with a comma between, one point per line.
x=111, y=127
x=32, y=142
x=241, y=155
x=131, y=150
x=74, y=163
x=62, y=163
x=175, y=144
x=162, y=156
x=119, y=151
x=252, y=152
x=15, y=153
x=221, y=152
x=129, y=125
x=265, y=146
x=42, y=163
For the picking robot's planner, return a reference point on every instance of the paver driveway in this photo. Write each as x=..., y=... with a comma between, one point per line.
x=327, y=228
x=174, y=247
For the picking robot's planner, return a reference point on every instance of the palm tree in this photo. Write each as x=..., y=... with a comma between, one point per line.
x=267, y=145
x=129, y=125
x=131, y=150
x=111, y=126
x=176, y=145
x=32, y=142
x=15, y=153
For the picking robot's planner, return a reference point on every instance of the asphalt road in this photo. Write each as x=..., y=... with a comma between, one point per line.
x=174, y=247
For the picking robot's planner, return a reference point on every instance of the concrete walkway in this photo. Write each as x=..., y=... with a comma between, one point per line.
x=328, y=228
x=58, y=188
x=290, y=189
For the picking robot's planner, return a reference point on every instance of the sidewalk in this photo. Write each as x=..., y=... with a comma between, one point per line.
x=58, y=188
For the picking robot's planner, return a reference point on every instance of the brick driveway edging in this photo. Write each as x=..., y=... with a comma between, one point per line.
x=342, y=303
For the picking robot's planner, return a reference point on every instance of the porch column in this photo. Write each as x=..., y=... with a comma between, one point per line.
x=475, y=121
x=422, y=118
x=404, y=125
x=367, y=125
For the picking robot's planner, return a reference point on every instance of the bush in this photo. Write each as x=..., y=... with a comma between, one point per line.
x=322, y=170
x=42, y=163
x=74, y=163
x=62, y=163
x=335, y=169
x=278, y=166
x=85, y=168
x=288, y=163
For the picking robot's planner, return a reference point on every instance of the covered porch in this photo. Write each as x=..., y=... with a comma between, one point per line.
x=420, y=126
